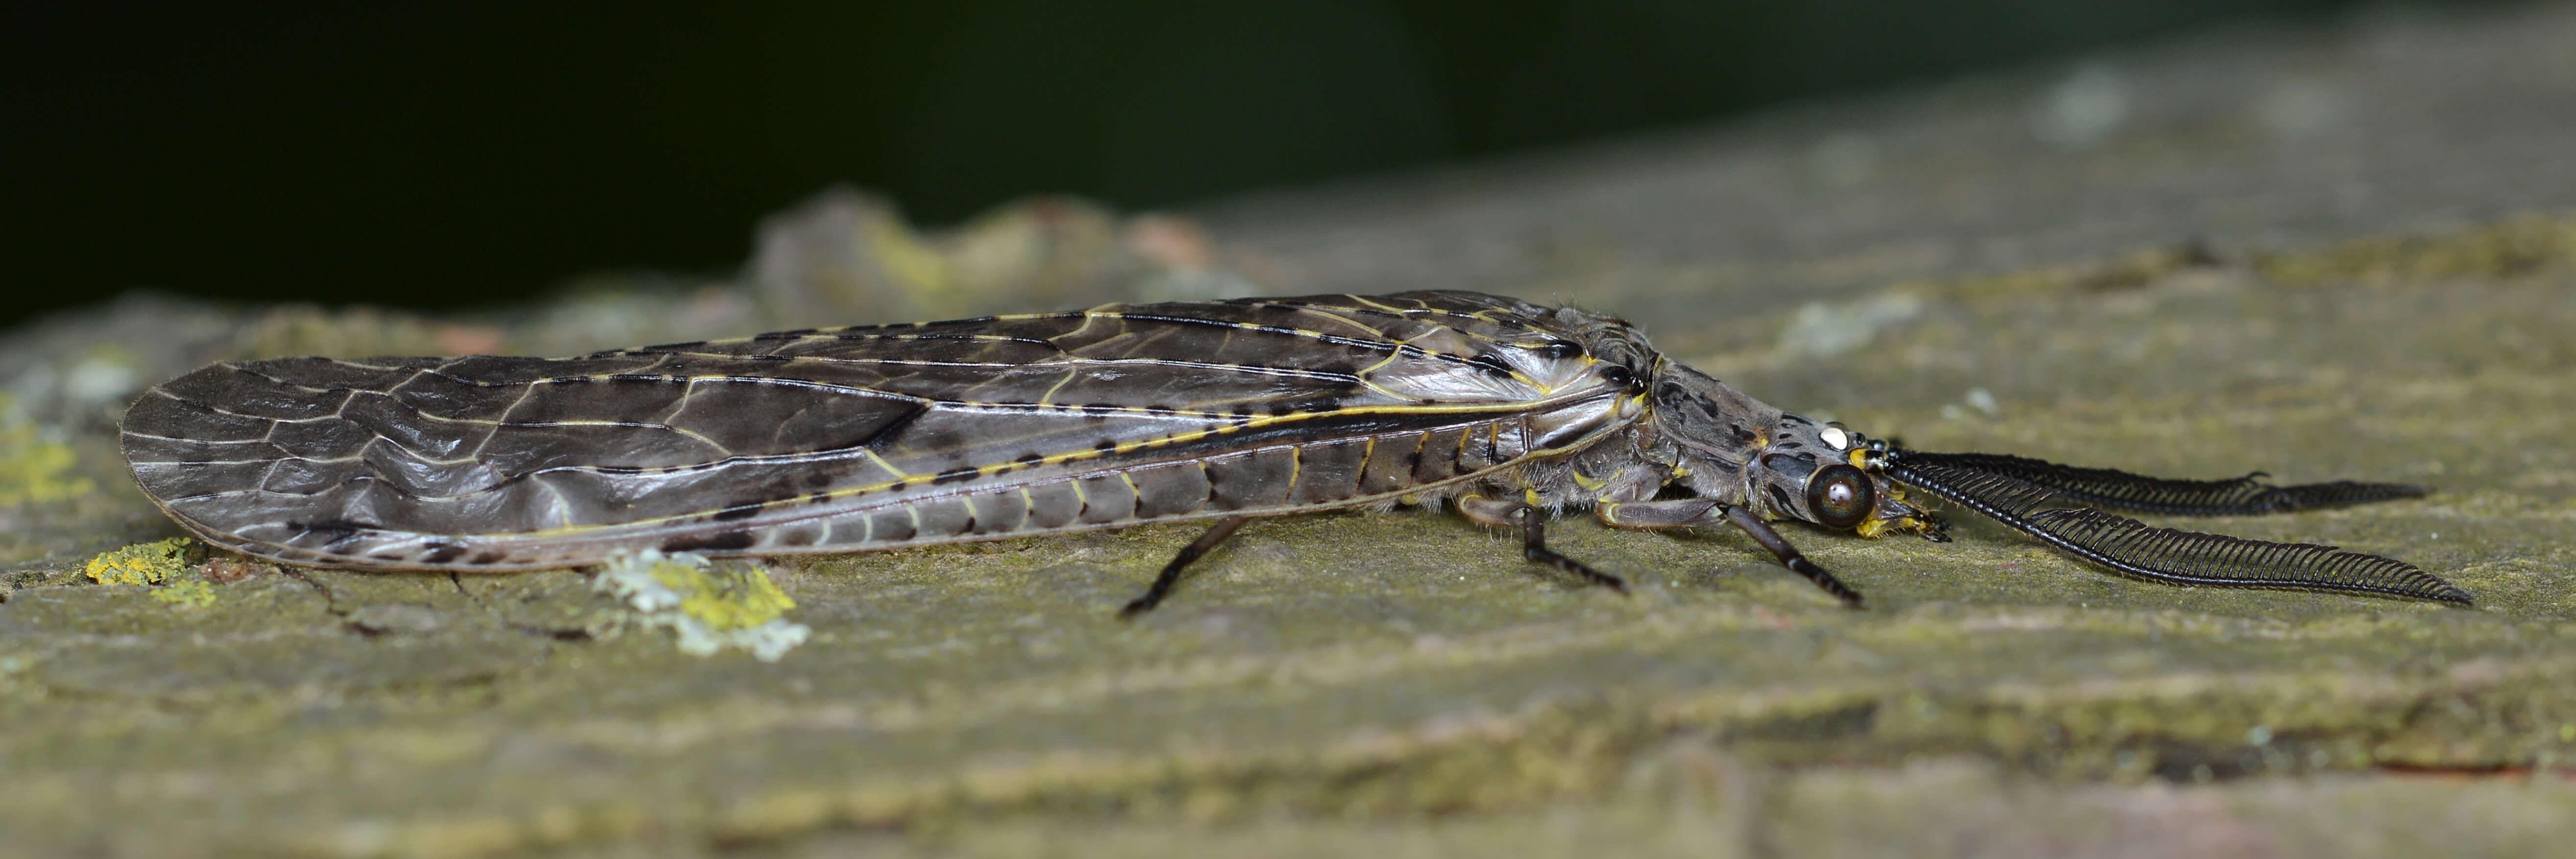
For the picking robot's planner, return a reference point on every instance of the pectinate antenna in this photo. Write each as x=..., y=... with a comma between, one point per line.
x=2028, y=495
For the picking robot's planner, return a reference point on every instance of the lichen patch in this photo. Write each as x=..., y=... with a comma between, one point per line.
x=709, y=607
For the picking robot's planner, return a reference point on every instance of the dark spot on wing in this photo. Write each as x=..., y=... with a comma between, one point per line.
x=334, y=531
x=940, y=439
x=738, y=511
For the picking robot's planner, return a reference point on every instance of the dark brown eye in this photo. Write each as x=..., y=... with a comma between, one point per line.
x=1840, y=495
x=1617, y=375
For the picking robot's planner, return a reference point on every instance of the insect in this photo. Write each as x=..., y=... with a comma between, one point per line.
x=841, y=439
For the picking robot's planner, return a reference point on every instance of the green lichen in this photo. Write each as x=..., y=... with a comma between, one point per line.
x=141, y=564
x=2503, y=249
x=188, y=593
x=33, y=467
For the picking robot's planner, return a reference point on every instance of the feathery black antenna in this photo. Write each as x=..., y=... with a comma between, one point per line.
x=2120, y=490
x=2047, y=501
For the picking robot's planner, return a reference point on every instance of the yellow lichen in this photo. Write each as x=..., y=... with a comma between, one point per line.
x=186, y=594
x=140, y=564
x=710, y=607
x=727, y=598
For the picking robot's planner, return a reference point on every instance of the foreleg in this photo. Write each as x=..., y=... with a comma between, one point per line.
x=1703, y=513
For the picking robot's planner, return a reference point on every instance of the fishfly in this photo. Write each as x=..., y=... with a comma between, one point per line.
x=843, y=439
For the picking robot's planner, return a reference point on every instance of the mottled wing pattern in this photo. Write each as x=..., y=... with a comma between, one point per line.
x=1017, y=423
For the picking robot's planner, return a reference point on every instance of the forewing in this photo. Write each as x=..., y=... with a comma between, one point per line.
x=330, y=455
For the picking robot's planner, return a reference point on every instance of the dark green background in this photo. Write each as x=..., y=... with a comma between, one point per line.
x=435, y=157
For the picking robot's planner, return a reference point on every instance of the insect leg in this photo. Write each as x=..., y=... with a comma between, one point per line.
x=1172, y=571
x=1702, y=512
x=1668, y=513
x=1514, y=514
x=1534, y=547
x=1790, y=556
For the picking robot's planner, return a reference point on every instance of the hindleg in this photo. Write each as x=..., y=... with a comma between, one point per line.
x=1702, y=513
x=1515, y=514
x=1171, y=574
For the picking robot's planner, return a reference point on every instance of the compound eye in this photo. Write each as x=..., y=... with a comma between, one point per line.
x=1617, y=375
x=1841, y=495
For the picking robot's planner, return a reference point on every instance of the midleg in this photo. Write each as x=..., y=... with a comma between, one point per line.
x=1515, y=514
